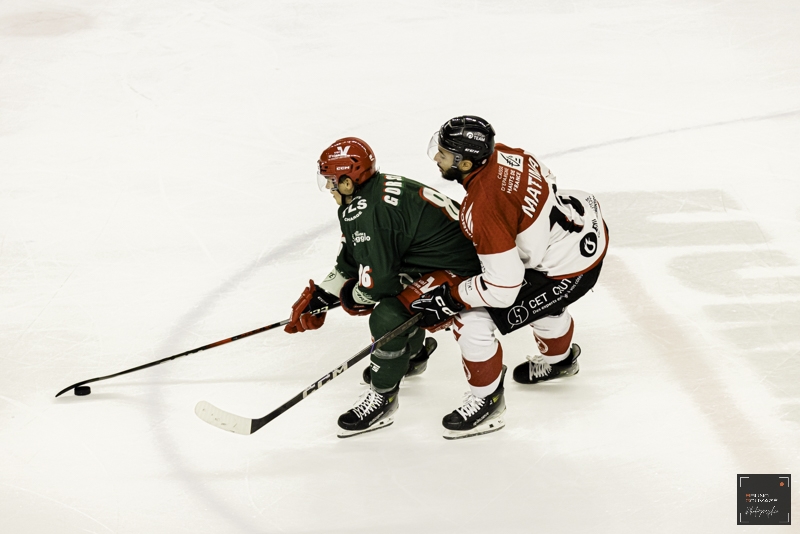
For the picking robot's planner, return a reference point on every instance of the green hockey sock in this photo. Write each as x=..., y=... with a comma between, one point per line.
x=387, y=372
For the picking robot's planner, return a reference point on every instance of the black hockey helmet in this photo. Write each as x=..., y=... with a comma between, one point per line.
x=468, y=137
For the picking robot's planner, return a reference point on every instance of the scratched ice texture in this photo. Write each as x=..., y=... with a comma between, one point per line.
x=157, y=193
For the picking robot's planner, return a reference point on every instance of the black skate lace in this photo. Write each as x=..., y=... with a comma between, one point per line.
x=367, y=403
x=537, y=367
x=471, y=405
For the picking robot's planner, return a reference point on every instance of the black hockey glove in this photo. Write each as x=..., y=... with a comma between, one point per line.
x=436, y=306
x=349, y=303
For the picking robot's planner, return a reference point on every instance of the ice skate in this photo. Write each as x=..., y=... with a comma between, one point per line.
x=477, y=415
x=417, y=364
x=537, y=370
x=372, y=411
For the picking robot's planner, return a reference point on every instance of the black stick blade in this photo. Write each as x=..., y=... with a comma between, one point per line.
x=222, y=419
x=73, y=386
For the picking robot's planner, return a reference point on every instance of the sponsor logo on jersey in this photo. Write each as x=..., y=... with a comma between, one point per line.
x=588, y=245
x=509, y=160
x=509, y=179
x=591, y=202
x=353, y=211
x=359, y=237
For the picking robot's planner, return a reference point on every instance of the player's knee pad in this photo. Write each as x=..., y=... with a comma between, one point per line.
x=474, y=331
x=388, y=314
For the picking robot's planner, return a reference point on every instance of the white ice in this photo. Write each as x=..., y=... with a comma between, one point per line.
x=157, y=193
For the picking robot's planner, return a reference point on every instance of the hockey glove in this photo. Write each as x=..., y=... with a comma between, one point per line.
x=303, y=311
x=437, y=307
x=349, y=303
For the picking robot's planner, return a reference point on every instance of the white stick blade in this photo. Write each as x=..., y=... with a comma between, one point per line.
x=222, y=419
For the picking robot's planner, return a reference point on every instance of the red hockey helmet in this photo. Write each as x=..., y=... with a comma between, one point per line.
x=349, y=157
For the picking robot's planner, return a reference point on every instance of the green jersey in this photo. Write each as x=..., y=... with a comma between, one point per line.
x=395, y=230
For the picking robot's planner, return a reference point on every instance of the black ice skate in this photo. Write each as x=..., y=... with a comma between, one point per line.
x=372, y=411
x=537, y=370
x=417, y=364
x=478, y=415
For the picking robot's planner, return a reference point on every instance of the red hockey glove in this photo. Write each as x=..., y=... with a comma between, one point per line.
x=437, y=307
x=311, y=300
x=349, y=303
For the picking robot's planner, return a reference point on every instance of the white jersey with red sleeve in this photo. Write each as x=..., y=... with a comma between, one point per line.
x=518, y=219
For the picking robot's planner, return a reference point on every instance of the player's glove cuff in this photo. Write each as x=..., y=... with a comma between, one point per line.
x=349, y=303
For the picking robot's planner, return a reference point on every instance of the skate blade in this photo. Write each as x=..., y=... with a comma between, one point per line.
x=383, y=423
x=414, y=373
x=487, y=427
x=421, y=367
x=402, y=380
x=418, y=370
x=572, y=371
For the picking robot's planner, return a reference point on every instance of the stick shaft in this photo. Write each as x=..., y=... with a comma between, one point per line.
x=360, y=355
x=192, y=351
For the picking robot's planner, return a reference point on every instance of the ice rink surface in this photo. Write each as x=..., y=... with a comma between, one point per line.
x=157, y=193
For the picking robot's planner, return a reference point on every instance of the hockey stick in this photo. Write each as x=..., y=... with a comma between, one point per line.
x=245, y=426
x=198, y=349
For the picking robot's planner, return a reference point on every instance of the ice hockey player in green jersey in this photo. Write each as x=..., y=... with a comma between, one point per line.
x=394, y=231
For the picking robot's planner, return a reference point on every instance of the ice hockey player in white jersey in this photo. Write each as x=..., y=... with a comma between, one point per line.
x=541, y=249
